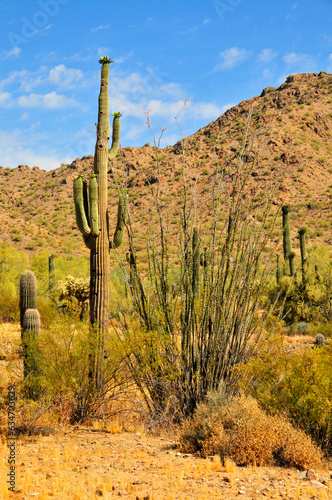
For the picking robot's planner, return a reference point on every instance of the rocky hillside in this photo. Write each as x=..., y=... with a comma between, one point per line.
x=294, y=123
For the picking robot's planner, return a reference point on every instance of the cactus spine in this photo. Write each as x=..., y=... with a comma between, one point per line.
x=287, y=244
x=92, y=219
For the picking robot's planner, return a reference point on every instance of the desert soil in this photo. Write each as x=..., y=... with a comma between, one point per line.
x=86, y=463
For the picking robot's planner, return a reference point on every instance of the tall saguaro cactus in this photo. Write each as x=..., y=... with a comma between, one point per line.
x=92, y=220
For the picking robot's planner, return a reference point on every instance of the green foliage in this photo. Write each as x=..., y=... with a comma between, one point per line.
x=296, y=385
x=12, y=264
x=309, y=300
x=74, y=294
x=64, y=364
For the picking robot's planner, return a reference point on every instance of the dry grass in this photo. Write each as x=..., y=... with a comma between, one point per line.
x=82, y=463
x=122, y=459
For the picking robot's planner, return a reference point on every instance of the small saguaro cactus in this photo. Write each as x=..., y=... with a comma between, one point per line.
x=291, y=257
x=28, y=293
x=30, y=320
x=30, y=332
x=51, y=275
x=287, y=244
x=91, y=207
x=303, y=255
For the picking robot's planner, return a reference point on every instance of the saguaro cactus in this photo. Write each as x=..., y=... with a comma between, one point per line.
x=303, y=255
x=291, y=257
x=287, y=244
x=92, y=219
x=51, y=275
x=28, y=293
x=30, y=332
x=30, y=324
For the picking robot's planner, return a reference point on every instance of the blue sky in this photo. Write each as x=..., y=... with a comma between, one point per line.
x=213, y=54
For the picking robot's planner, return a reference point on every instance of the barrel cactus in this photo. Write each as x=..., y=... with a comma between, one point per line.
x=91, y=207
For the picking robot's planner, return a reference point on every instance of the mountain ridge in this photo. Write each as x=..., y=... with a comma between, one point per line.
x=36, y=206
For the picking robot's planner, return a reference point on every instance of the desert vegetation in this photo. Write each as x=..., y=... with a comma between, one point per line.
x=208, y=327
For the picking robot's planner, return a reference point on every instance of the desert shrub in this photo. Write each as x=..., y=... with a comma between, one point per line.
x=302, y=328
x=243, y=432
x=74, y=295
x=63, y=376
x=296, y=385
x=310, y=301
x=9, y=310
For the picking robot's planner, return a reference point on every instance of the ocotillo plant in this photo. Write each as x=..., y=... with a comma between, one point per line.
x=278, y=271
x=196, y=263
x=28, y=293
x=287, y=244
x=92, y=219
x=303, y=255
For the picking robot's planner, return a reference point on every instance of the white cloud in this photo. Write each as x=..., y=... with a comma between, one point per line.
x=329, y=64
x=60, y=76
x=101, y=27
x=103, y=51
x=306, y=62
x=64, y=77
x=281, y=79
x=14, y=52
x=6, y=99
x=188, y=31
x=19, y=147
x=267, y=55
x=230, y=58
x=52, y=100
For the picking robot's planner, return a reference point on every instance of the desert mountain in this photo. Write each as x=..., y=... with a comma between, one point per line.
x=295, y=125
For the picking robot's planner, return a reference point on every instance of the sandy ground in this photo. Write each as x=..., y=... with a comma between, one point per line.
x=86, y=464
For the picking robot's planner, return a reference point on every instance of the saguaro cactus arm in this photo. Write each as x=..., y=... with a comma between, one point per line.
x=115, y=136
x=82, y=217
x=93, y=199
x=121, y=222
